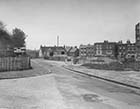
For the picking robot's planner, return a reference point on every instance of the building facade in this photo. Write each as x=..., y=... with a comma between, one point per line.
x=118, y=50
x=87, y=50
x=131, y=51
x=137, y=36
x=122, y=50
x=90, y=50
x=73, y=52
x=126, y=51
x=108, y=49
x=83, y=50
x=49, y=51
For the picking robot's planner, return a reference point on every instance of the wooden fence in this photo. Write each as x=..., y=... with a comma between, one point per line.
x=14, y=63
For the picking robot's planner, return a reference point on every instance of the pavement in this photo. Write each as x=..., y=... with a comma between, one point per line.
x=50, y=86
x=30, y=93
x=126, y=77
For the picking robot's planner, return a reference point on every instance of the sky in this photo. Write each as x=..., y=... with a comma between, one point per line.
x=74, y=21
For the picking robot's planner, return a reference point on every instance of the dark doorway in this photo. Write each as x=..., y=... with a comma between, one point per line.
x=51, y=53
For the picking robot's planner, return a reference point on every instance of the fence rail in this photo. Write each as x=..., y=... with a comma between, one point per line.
x=14, y=63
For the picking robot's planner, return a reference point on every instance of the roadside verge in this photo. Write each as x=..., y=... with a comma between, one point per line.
x=125, y=78
x=36, y=70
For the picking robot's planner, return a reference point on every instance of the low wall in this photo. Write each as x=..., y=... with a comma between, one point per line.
x=14, y=63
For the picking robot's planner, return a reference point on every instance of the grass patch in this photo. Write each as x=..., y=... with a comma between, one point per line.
x=125, y=66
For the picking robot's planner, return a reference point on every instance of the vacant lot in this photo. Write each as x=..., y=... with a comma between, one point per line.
x=135, y=66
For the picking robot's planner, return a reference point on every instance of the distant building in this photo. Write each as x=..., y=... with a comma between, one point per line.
x=106, y=48
x=122, y=50
x=131, y=51
x=83, y=50
x=126, y=50
x=137, y=33
x=90, y=50
x=49, y=51
x=86, y=50
x=137, y=36
x=98, y=49
x=67, y=49
x=73, y=52
x=118, y=50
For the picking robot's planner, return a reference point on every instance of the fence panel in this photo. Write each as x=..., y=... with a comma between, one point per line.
x=14, y=63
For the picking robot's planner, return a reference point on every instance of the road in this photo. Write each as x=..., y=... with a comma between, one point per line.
x=64, y=89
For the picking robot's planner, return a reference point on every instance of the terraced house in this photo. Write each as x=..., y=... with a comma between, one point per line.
x=116, y=50
x=137, y=33
x=73, y=52
x=130, y=50
x=49, y=51
x=106, y=48
x=126, y=50
x=83, y=50
x=87, y=50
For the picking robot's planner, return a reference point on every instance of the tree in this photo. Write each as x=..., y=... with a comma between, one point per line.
x=18, y=38
x=5, y=37
x=2, y=25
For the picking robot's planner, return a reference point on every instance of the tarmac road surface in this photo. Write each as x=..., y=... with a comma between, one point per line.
x=64, y=89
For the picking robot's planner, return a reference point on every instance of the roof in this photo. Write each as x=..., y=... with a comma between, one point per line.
x=68, y=48
x=105, y=43
x=83, y=46
x=126, y=44
x=73, y=49
x=53, y=48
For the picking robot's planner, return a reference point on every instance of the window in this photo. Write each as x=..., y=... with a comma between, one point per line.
x=51, y=54
x=96, y=46
x=109, y=52
x=62, y=52
x=100, y=46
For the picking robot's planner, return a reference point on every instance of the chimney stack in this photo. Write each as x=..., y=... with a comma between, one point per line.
x=57, y=41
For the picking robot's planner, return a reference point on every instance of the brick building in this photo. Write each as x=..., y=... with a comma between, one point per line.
x=73, y=52
x=126, y=50
x=121, y=50
x=83, y=50
x=131, y=50
x=90, y=50
x=87, y=50
x=106, y=48
x=49, y=51
x=137, y=36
